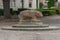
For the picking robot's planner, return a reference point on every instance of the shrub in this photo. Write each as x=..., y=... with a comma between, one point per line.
x=47, y=12
x=52, y=12
x=58, y=11
x=1, y=12
x=16, y=12
x=40, y=10
x=11, y=11
x=51, y=3
x=19, y=10
x=40, y=5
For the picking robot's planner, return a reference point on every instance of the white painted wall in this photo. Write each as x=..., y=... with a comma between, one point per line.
x=34, y=4
x=1, y=4
x=12, y=5
x=18, y=4
x=58, y=0
x=26, y=2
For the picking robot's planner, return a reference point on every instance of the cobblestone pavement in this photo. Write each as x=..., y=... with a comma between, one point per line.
x=32, y=35
x=29, y=35
x=52, y=20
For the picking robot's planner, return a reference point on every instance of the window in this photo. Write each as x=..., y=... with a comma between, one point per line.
x=30, y=3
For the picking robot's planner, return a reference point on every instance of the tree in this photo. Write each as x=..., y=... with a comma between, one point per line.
x=40, y=5
x=6, y=5
x=51, y=3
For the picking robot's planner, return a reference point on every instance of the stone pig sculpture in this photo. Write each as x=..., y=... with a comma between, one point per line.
x=30, y=15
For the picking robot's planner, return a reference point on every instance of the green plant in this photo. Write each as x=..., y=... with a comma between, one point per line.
x=52, y=12
x=58, y=11
x=20, y=9
x=51, y=3
x=1, y=12
x=40, y=10
x=16, y=12
x=47, y=12
x=11, y=11
x=40, y=5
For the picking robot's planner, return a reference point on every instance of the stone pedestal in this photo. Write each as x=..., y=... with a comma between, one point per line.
x=29, y=20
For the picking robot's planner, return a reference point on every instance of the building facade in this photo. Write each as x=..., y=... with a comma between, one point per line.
x=45, y=3
x=58, y=3
x=29, y=4
x=15, y=5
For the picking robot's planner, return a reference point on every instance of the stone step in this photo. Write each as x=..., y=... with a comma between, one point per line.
x=30, y=26
x=31, y=29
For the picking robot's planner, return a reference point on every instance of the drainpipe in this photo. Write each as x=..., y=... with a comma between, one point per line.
x=22, y=4
x=37, y=3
